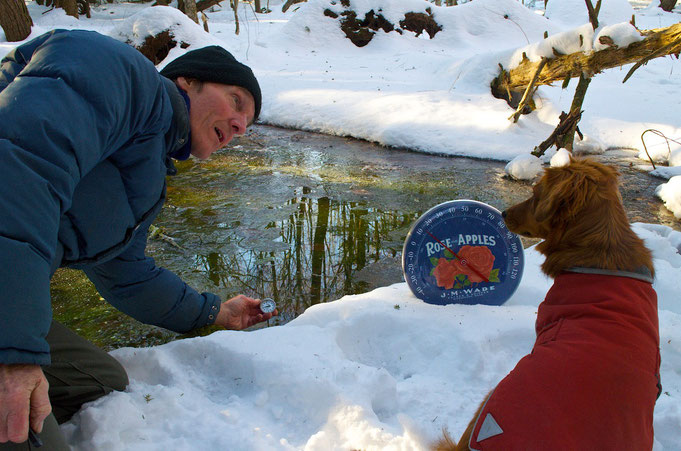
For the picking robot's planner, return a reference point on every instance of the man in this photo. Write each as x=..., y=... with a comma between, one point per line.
x=88, y=132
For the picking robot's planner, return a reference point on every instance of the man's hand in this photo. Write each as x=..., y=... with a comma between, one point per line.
x=241, y=312
x=23, y=400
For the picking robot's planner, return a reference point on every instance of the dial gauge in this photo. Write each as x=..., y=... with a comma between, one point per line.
x=268, y=305
x=461, y=252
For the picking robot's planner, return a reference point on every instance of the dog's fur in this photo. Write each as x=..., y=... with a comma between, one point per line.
x=577, y=211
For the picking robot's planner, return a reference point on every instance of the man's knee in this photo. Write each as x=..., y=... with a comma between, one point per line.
x=117, y=377
x=76, y=361
x=80, y=372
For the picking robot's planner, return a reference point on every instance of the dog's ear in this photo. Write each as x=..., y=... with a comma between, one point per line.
x=562, y=193
x=544, y=197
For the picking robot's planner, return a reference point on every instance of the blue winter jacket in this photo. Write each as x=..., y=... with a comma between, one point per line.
x=87, y=126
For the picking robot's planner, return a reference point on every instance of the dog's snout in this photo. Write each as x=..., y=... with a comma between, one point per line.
x=503, y=214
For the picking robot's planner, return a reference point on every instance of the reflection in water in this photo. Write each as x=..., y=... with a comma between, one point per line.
x=314, y=251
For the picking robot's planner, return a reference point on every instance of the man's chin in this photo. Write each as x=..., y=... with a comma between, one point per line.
x=202, y=154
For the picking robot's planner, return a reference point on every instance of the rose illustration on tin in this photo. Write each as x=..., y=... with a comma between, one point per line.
x=452, y=272
x=445, y=273
x=479, y=257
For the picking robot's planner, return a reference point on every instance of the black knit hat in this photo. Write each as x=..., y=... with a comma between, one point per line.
x=216, y=65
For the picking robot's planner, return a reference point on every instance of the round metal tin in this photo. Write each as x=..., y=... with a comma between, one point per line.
x=460, y=252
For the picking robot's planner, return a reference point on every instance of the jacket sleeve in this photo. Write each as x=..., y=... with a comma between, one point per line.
x=57, y=121
x=134, y=284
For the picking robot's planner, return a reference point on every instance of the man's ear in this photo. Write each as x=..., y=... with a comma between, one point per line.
x=183, y=82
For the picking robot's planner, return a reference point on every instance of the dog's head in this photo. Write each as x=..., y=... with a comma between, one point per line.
x=577, y=210
x=565, y=195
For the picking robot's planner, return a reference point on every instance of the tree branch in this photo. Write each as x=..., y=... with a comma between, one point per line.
x=593, y=13
x=528, y=92
x=665, y=41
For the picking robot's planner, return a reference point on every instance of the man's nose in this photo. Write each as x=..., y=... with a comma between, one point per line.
x=239, y=124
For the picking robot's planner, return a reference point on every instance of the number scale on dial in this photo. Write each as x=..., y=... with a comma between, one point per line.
x=461, y=252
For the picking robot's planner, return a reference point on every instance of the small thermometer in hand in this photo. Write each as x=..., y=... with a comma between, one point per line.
x=268, y=305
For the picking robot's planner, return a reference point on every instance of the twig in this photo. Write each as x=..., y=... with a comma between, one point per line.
x=205, y=21
x=156, y=233
x=593, y=14
x=645, y=59
x=567, y=121
x=528, y=90
x=658, y=133
x=290, y=3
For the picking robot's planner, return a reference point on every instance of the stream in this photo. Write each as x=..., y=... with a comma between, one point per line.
x=305, y=218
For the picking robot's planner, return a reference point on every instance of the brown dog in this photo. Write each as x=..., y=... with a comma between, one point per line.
x=592, y=378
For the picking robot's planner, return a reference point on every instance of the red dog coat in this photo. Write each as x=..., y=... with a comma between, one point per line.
x=591, y=380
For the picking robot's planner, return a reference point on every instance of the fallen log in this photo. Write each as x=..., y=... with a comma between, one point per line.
x=657, y=43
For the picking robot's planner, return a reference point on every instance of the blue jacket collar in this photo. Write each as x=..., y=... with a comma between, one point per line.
x=178, y=137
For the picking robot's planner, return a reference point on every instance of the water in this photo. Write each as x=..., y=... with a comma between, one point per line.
x=302, y=218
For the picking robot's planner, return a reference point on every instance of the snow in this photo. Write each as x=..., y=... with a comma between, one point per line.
x=668, y=192
x=524, y=167
x=383, y=370
x=575, y=40
x=380, y=370
x=573, y=12
x=621, y=35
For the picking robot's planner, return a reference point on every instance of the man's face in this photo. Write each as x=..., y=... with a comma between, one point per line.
x=217, y=113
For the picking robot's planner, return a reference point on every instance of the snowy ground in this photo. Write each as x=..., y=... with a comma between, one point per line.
x=377, y=371
x=383, y=370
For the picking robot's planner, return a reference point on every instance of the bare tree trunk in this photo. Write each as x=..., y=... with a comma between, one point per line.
x=576, y=110
x=236, y=16
x=70, y=6
x=189, y=8
x=15, y=20
x=84, y=8
x=568, y=139
x=667, y=5
x=258, y=6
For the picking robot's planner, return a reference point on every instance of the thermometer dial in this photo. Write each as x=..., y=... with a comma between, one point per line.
x=460, y=252
x=267, y=305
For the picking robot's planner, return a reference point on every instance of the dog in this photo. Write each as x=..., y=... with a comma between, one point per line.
x=592, y=378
